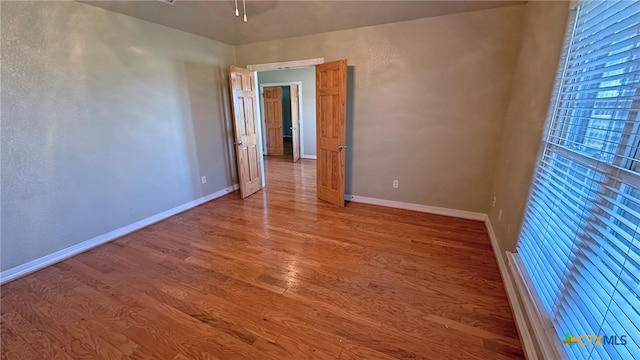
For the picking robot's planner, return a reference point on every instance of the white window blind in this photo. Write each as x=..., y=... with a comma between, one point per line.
x=580, y=241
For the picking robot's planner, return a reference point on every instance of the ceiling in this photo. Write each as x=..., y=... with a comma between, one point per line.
x=270, y=20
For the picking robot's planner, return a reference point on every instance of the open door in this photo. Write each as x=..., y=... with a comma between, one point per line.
x=245, y=127
x=295, y=122
x=273, y=120
x=331, y=113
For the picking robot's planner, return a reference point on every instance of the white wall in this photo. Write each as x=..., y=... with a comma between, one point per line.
x=308, y=78
x=106, y=120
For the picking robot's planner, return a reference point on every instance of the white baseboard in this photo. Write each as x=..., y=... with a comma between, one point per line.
x=309, y=157
x=512, y=293
x=542, y=328
x=37, y=264
x=417, y=207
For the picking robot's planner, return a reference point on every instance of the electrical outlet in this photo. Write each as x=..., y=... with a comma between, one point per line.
x=500, y=215
x=396, y=184
x=493, y=203
x=204, y=179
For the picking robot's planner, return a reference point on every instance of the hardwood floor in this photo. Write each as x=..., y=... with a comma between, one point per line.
x=279, y=275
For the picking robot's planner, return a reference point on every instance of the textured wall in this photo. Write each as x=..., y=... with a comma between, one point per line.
x=542, y=39
x=106, y=120
x=308, y=78
x=429, y=99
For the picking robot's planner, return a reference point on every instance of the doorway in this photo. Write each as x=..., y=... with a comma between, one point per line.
x=286, y=95
x=288, y=113
x=282, y=120
x=330, y=93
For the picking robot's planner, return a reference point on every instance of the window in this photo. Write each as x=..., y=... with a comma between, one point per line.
x=580, y=238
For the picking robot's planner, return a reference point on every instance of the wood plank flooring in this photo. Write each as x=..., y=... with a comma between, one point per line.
x=279, y=275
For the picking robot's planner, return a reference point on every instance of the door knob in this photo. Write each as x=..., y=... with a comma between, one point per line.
x=241, y=143
x=340, y=147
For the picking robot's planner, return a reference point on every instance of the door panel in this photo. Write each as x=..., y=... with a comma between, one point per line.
x=295, y=122
x=243, y=101
x=331, y=97
x=273, y=120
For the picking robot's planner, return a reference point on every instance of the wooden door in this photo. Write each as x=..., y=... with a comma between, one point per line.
x=245, y=125
x=273, y=120
x=295, y=122
x=331, y=112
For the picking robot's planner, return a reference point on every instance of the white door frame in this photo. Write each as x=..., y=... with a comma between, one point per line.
x=286, y=65
x=262, y=114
